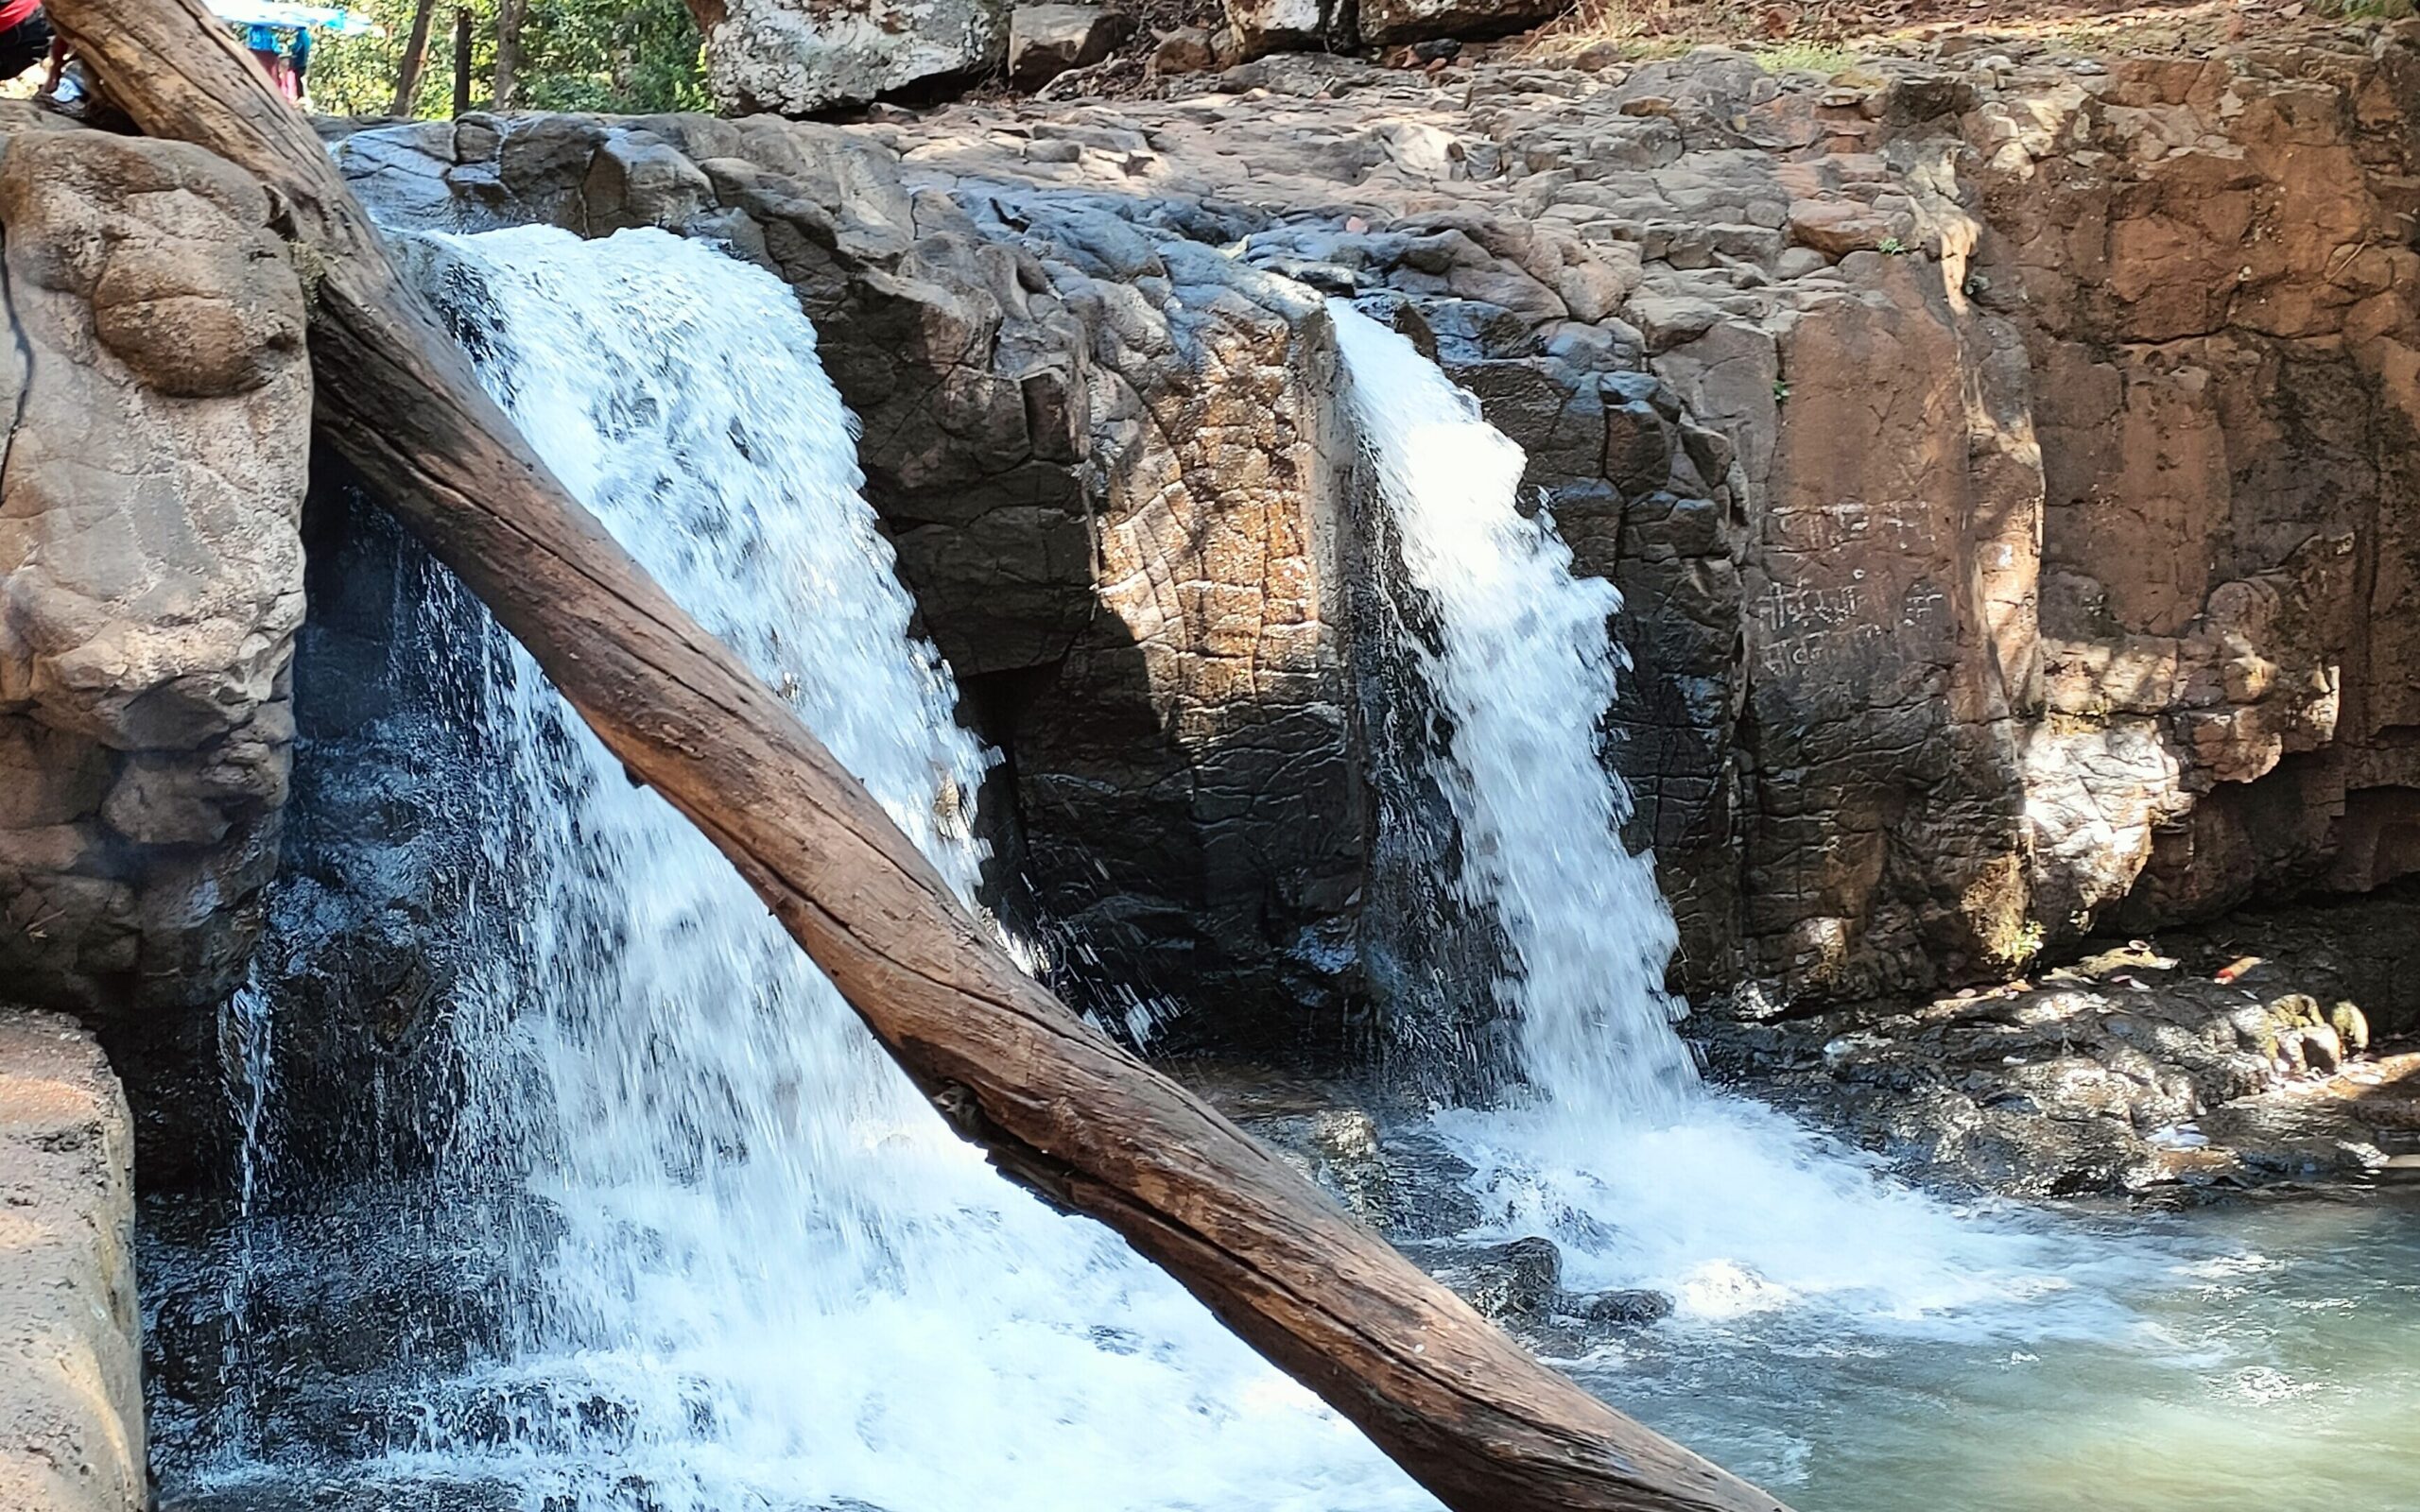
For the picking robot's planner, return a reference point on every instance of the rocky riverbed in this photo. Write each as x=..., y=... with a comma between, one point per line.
x=2276, y=1051
x=2276, y=1047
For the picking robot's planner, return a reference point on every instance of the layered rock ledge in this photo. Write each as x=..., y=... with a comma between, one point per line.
x=71, y=1397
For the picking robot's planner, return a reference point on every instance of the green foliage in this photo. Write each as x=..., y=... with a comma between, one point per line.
x=612, y=56
x=1804, y=57
x=2365, y=9
x=2014, y=948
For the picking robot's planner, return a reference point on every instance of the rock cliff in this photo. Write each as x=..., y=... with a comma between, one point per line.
x=2001, y=459
x=150, y=567
x=2001, y=454
x=1109, y=465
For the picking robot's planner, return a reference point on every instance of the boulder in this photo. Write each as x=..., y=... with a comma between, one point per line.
x=1519, y=1279
x=2352, y=1027
x=1047, y=40
x=151, y=560
x=796, y=56
x=1632, y=1308
x=1282, y=26
x=1385, y=23
x=1838, y=227
x=1184, y=50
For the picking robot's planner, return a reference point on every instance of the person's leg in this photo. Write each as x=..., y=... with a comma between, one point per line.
x=23, y=44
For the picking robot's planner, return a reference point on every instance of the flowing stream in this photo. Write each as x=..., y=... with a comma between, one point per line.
x=759, y=1275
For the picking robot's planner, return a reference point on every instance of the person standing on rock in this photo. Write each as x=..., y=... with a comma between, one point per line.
x=25, y=36
x=261, y=41
x=298, y=68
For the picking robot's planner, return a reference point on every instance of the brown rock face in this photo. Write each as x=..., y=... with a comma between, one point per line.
x=153, y=573
x=2225, y=437
x=2000, y=466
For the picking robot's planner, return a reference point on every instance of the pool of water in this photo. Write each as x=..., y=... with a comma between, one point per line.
x=2259, y=1356
x=2264, y=1357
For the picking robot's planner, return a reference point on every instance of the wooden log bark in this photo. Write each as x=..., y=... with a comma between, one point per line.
x=1055, y=1104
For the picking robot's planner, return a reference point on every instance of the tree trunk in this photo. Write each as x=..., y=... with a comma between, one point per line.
x=461, y=61
x=415, y=55
x=1055, y=1104
x=510, y=14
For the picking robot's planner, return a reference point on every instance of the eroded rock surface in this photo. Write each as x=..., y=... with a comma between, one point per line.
x=794, y=57
x=71, y=1396
x=150, y=568
x=1832, y=376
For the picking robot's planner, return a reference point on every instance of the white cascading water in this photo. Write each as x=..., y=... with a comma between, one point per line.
x=781, y=1282
x=1619, y=1150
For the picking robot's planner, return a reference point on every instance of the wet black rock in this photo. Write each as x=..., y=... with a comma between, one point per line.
x=302, y=1492
x=1519, y=1279
x=1633, y=1307
x=1393, y=1172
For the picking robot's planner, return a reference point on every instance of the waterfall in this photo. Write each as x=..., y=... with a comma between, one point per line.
x=1615, y=1149
x=766, y=1276
x=691, y=1243
x=1525, y=674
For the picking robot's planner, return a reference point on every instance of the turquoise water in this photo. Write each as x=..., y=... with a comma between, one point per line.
x=2267, y=1359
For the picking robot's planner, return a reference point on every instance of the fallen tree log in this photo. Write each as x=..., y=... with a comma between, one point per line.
x=1055, y=1104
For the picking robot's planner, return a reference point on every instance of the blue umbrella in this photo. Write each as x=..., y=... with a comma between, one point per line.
x=293, y=18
